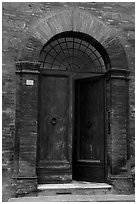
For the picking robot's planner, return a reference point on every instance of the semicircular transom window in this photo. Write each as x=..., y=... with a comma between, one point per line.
x=72, y=54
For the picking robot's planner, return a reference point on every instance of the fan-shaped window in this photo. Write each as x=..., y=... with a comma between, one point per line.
x=71, y=53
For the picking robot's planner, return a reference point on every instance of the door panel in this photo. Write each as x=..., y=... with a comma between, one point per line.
x=53, y=162
x=88, y=161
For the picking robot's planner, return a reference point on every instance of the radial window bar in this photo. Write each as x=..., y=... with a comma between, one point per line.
x=72, y=54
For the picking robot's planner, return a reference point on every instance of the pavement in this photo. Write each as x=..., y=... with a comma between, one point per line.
x=77, y=198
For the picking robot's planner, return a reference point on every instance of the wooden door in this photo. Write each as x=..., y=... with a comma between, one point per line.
x=89, y=136
x=53, y=163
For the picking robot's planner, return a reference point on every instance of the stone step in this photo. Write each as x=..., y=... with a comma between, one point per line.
x=74, y=188
x=77, y=198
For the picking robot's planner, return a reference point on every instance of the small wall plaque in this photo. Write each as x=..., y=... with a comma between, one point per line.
x=29, y=82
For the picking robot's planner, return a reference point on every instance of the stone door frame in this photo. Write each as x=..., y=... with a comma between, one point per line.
x=117, y=99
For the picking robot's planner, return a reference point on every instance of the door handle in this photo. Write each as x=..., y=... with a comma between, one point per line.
x=89, y=124
x=53, y=121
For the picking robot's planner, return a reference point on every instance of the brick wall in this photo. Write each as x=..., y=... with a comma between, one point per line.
x=17, y=18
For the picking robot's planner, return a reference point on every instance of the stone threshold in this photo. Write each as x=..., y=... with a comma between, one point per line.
x=74, y=185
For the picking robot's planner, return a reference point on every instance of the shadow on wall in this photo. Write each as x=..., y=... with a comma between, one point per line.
x=122, y=166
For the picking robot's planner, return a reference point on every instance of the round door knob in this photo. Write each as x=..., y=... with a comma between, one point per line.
x=53, y=121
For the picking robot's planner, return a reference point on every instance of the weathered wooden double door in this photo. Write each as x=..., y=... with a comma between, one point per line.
x=71, y=142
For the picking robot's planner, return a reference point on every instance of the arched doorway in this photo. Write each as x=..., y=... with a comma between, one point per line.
x=76, y=33
x=71, y=142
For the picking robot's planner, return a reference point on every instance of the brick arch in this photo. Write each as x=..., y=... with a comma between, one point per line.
x=73, y=19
